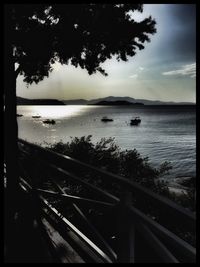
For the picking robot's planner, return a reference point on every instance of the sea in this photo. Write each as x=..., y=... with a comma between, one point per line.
x=166, y=133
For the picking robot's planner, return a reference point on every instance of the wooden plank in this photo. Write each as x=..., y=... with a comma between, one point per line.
x=62, y=248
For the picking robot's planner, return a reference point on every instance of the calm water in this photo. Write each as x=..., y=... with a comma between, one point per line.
x=165, y=133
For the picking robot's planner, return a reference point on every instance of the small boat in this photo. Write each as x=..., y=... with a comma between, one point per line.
x=36, y=116
x=49, y=121
x=105, y=119
x=19, y=115
x=135, y=121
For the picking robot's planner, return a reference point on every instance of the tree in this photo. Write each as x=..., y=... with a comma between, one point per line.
x=37, y=35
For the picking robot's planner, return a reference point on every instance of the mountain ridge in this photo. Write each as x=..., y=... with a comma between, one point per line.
x=117, y=103
x=124, y=98
x=131, y=100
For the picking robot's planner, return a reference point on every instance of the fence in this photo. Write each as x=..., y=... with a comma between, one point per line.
x=104, y=217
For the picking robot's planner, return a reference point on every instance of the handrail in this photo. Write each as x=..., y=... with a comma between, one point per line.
x=75, y=198
x=95, y=232
x=170, y=238
x=76, y=230
x=166, y=244
x=65, y=173
x=183, y=215
x=64, y=221
x=164, y=253
x=137, y=215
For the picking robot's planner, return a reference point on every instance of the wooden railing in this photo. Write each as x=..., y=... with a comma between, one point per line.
x=105, y=217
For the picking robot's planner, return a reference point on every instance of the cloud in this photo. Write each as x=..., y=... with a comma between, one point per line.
x=186, y=70
x=134, y=76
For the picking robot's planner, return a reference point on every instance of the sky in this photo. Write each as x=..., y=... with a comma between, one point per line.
x=165, y=70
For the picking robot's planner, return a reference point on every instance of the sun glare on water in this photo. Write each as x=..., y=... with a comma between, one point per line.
x=55, y=112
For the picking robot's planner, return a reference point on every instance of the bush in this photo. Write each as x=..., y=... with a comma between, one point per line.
x=106, y=155
x=129, y=164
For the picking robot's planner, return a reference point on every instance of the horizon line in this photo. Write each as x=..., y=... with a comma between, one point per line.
x=106, y=97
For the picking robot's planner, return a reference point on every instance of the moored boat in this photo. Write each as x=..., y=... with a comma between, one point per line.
x=36, y=116
x=135, y=121
x=105, y=119
x=49, y=121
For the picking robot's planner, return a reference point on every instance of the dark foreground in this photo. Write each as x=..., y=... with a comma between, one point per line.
x=67, y=211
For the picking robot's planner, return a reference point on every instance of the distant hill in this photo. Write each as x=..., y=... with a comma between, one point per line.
x=110, y=100
x=125, y=98
x=116, y=103
x=25, y=101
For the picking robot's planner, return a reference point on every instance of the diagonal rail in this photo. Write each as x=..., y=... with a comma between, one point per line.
x=167, y=245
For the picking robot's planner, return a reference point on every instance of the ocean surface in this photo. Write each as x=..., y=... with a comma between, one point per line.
x=166, y=133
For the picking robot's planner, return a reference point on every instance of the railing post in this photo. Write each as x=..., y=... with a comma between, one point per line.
x=125, y=231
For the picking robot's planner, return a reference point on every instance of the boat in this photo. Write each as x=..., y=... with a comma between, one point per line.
x=49, y=121
x=36, y=116
x=135, y=121
x=19, y=115
x=105, y=119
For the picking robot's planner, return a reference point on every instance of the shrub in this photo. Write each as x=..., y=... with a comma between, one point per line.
x=129, y=164
x=107, y=155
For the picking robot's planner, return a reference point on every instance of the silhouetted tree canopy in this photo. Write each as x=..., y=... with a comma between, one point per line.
x=37, y=35
x=83, y=35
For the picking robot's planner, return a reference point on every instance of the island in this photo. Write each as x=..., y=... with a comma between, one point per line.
x=117, y=103
x=25, y=101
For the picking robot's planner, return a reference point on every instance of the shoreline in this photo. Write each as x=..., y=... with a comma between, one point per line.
x=176, y=186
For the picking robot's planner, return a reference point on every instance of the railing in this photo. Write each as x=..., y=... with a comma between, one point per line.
x=105, y=217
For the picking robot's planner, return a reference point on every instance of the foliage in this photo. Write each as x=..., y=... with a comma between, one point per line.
x=107, y=155
x=83, y=35
x=38, y=35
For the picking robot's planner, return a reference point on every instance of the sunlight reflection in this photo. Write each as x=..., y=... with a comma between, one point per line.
x=56, y=112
